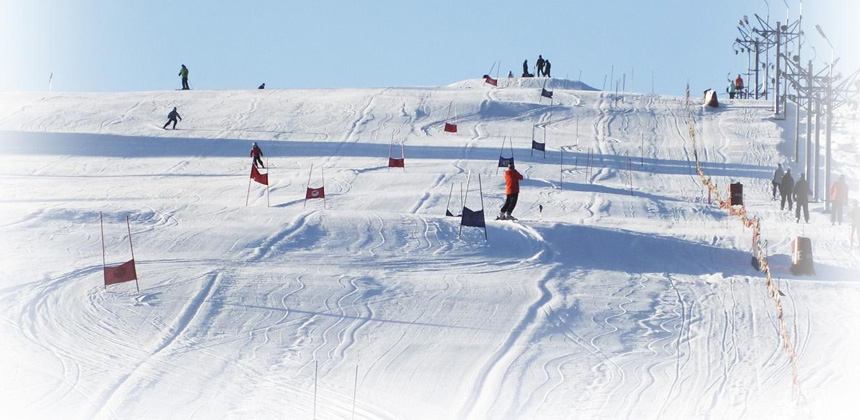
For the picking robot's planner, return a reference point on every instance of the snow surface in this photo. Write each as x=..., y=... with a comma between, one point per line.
x=610, y=303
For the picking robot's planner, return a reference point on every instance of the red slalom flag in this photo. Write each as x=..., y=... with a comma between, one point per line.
x=257, y=176
x=315, y=193
x=121, y=273
x=450, y=128
x=491, y=81
x=395, y=163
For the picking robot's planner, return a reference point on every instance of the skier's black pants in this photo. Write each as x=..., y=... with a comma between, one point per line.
x=801, y=205
x=260, y=161
x=510, y=203
x=785, y=197
x=168, y=123
x=185, y=84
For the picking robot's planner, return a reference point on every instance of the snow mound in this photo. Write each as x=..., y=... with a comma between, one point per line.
x=526, y=83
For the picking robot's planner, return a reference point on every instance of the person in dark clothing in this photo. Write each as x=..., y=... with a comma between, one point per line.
x=777, y=178
x=263, y=86
x=546, y=68
x=540, y=64
x=512, y=192
x=184, y=73
x=786, y=188
x=257, y=153
x=171, y=117
x=526, y=69
x=801, y=199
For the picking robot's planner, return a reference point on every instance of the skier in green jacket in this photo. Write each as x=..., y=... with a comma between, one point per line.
x=184, y=73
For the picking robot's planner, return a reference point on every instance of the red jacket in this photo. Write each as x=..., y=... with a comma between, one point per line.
x=256, y=152
x=512, y=181
x=838, y=191
x=739, y=83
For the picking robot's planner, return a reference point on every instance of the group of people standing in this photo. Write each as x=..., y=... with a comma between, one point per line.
x=543, y=68
x=798, y=193
x=736, y=88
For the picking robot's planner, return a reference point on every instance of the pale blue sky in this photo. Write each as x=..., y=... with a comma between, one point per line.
x=133, y=45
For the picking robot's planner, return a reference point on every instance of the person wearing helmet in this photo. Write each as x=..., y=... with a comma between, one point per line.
x=256, y=153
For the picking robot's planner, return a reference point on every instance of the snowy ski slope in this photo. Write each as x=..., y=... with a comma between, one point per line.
x=613, y=302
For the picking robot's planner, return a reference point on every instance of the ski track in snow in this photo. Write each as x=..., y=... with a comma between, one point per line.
x=246, y=301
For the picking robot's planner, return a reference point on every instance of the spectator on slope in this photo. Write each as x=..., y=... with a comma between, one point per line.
x=786, y=188
x=546, y=68
x=263, y=86
x=510, y=74
x=257, y=153
x=526, y=68
x=731, y=91
x=838, y=196
x=855, y=224
x=184, y=73
x=777, y=179
x=171, y=117
x=512, y=192
x=801, y=199
x=540, y=64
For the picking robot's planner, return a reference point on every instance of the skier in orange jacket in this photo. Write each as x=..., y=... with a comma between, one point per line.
x=512, y=192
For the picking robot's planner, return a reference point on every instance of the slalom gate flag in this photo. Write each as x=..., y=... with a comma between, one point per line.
x=472, y=218
x=490, y=80
x=395, y=163
x=503, y=161
x=315, y=193
x=539, y=146
x=545, y=93
x=121, y=273
x=450, y=128
x=257, y=176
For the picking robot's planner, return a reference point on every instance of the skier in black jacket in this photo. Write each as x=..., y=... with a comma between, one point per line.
x=786, y=188
x=801, y=199
x=172, y=116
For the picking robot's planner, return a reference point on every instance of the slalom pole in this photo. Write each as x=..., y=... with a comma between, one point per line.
x=468, y=179
x=316, y=370
x=322, y=171
x=544, y=140
x=448, y=204
x=511, y=144
x=497, y=165
x=248, y=196
x=481, y=191
x=268, y=171
x=389, y=152
x=561, y=169
x=308, y=185
x=104, y=265
x=355, y=389
x=403, y=156
x=128, y=224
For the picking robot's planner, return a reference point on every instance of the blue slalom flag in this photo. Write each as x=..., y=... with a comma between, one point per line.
x=546, y=93
x=503, y=161
x=472, y=218
x=539, y=146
